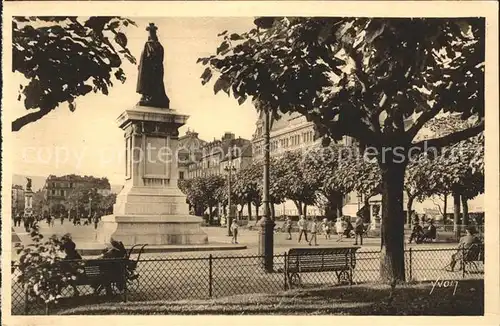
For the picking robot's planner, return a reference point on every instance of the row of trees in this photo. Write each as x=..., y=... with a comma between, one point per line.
x=79, y=200
x=323, y=176
x=362, y=77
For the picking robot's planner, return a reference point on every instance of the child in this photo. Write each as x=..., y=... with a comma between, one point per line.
x=326, y=228
x=314, y=230
x=234, y=230
x=288, y=228
x=339, y=228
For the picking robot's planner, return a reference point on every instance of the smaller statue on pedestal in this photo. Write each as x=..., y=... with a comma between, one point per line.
x=28, y=184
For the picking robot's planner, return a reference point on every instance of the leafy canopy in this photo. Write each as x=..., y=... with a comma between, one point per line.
x=361, y=77
x=63, y=58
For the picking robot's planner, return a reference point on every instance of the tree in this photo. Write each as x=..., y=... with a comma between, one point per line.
x=458, y=169
x=295, y=185
x=40, y=204
x=63, y=58
x=364, y=78
x=321, y=166
x=106, y=203
x=417, y=183
x=204, y=192
x=247, y=187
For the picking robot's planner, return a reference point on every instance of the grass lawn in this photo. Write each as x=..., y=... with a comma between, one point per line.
x=417, y=299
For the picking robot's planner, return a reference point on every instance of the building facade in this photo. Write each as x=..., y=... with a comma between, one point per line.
x=291, y=132
x=213, y=156
x=17, y=200
x=57, y=189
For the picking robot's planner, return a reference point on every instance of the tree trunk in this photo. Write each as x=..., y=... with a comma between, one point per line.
x=392, y=259
x=305, y=210
x=210, y=216
x=409, y=206
x=465, y=212
x=249, y=210
x=298, y=204
x=339, y=200
x=456, y=215
x=224, y=210
x=331, y=210
x=257, y=212
x=445, y=206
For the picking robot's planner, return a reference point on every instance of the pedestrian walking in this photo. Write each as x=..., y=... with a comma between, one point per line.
x=359, y=229
x=96, y=220
x=314, y=230
x=61, y=216
x=234, y=230
x=288, y=228
x=26, y=223
x=302, y=224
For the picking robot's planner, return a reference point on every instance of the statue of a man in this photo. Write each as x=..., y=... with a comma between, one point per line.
x=28, y=184
x=150, y=80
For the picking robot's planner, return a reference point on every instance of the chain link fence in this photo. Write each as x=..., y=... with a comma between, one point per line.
x=218, y=276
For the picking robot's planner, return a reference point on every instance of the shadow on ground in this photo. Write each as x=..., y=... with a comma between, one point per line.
x=417, y=299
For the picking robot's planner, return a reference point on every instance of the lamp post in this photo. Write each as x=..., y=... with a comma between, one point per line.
x=229, y=168
x=90, y=206
x=266, y=241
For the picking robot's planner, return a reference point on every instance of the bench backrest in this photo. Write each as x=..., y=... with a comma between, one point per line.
x=321, y=258
x=474, y=252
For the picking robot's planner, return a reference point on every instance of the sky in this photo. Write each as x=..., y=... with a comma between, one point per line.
x=88, y=141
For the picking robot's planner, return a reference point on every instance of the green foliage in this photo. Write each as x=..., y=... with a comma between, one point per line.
x=357, y=76
x=342, y=169
x=38, y=268
x=205, y=191
x=64, y=58
x=292, y=182
x=458, y=168
x=247, y=187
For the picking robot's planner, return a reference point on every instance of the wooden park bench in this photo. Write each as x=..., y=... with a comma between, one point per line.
x=473, y=255
x=341, y=261
x=98, y=273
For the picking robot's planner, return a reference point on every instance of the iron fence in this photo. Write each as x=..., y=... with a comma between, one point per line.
x=212, y=276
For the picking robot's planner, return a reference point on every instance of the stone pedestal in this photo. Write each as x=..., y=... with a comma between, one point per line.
x=28, y=203
x=150, y=208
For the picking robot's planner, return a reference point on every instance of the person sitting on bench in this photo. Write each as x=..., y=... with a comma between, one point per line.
x=416, y=232
x=69, y=248
x=116, y=250
x=429, y=233
x=466, y=242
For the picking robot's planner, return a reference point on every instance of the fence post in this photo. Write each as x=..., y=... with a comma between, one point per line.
x=285, y=267
x=210, y=276
x=463, y=262
x=125, y=288
x=26, y=302
x=411, y=264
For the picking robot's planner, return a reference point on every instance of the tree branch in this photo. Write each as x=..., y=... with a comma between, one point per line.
x=422, y=120
x=452, y=138
x=28, y=118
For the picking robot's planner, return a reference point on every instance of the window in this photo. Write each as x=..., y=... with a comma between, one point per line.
x=181, y=175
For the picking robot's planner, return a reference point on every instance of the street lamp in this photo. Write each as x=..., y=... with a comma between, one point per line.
x=266, y=241
x=360, y=198
x=90, y=206
x=229, y=168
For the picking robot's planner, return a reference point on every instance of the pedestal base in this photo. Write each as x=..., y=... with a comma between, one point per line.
x=152, y=230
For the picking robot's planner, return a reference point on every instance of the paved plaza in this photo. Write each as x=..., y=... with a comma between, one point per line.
x=85, y=236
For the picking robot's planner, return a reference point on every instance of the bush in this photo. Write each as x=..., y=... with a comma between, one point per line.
x=39, y=269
